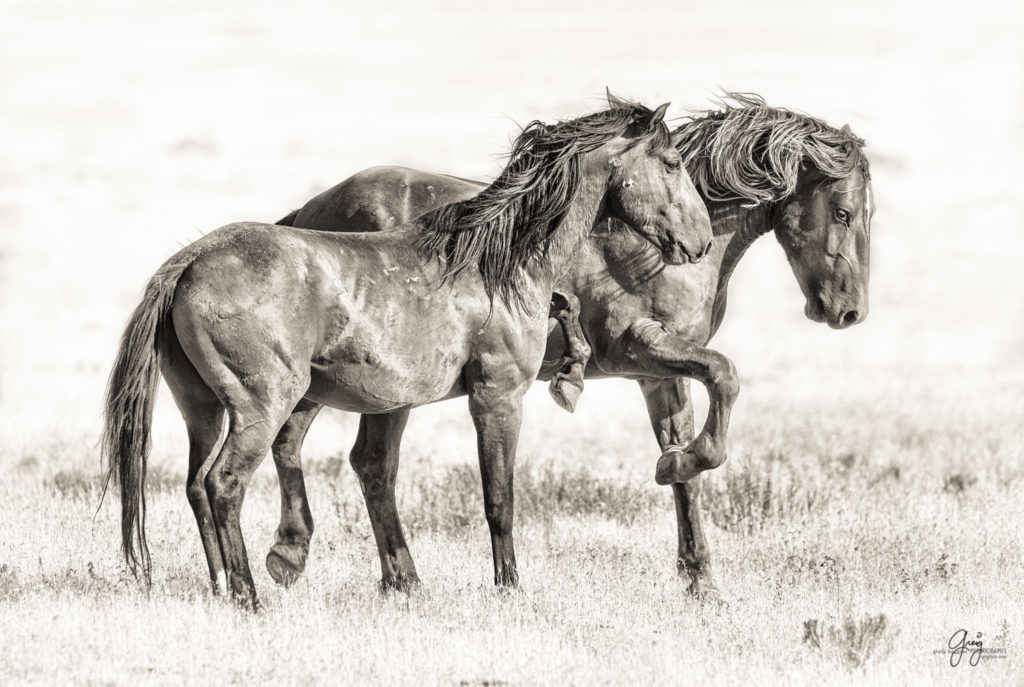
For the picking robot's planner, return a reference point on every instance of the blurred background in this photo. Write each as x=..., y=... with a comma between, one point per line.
x=130, y=129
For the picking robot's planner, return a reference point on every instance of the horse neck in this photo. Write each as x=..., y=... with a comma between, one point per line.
x=573, y=232
x=737, y=226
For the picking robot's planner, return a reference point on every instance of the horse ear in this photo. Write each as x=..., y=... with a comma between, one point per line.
x=614, y=101
x=657, y=116
x=846, y=130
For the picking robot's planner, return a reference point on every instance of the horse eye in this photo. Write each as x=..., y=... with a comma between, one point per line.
x=842, y=215
x=673, y=165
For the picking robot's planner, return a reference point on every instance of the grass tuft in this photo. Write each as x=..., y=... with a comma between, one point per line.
x=853, y=642
x=746, y=498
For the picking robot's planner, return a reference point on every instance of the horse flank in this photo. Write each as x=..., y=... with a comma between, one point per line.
x=750, y=151
x=511, y=221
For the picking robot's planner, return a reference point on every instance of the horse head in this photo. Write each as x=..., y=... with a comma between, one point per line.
x=825, y=230
x=650, y=191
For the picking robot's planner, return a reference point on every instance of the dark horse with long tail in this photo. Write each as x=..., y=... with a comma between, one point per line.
x=253, y=319
x=760, y=169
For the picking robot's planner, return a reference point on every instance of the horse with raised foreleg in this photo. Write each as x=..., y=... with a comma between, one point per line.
x=761, y=169
x=253, y=318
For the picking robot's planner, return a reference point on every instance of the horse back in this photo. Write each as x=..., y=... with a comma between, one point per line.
x=380, y=199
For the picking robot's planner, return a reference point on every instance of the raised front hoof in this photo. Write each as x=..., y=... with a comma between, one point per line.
x=566, y=389
x=676, y=465
x=399, y=584
x=285, y=562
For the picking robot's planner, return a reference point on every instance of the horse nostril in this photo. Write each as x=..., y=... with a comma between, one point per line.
x=851, y=317
x=699, y=255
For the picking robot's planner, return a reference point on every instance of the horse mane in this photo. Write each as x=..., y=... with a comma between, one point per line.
x=502, y=228
x=750, y=151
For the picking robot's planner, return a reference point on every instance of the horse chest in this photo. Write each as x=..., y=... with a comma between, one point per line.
x=683, y=300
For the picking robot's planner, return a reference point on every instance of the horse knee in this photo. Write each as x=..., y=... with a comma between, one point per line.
x=224, y=490
x=284, y=453
x=371, y=465
x=726, y=380
x=195, y=491
x=499, y=517
x=709, y=452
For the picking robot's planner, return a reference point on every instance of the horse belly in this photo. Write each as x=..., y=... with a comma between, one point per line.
x=368, y=371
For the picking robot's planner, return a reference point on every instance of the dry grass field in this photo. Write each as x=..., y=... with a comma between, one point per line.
x=873, y=502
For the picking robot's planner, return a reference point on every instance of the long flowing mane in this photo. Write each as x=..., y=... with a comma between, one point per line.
x=511, y=221
x=750, y=151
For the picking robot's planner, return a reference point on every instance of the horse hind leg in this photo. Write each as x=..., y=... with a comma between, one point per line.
x=204, y=422
x=287, y=557
x=375, y=461
x=671, y=412
x=204, y=435
x=257, y=407
x=566, y=385
x=251, y=430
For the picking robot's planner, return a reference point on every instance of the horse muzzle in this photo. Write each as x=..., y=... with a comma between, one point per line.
x=678, y=253
x=837, y=314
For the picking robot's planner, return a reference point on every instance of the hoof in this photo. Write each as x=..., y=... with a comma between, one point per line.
x=677, y=464
x=285, y=563
x=509, y=591
x=507, y=581
x=566, y=389
x=400, y=583
x=704, y=591
x=247, y=602
x=243, y=593
x=702, y=587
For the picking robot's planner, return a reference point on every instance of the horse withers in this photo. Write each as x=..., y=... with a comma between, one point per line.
x=253, y=319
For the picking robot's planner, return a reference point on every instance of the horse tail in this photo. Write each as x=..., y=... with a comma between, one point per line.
x=288, y=220
x=128, y=407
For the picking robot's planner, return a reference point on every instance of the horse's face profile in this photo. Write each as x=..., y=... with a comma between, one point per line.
x=650, y=191
x=824, y=229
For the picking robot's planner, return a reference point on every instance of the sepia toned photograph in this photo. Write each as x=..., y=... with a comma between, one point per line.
x=580, y=343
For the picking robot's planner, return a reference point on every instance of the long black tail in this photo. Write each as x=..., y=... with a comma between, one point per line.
x=128, y=407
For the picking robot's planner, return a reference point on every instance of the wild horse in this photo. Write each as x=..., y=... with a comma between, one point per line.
x=253, y=319
x=760, y=169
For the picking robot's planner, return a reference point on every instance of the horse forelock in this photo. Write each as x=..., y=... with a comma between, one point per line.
x=749, y=151
x=512, y=221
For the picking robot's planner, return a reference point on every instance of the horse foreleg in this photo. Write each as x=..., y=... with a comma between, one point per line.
x=497, y=415
x=287, y=557
x=567, y=383
x=375, y=461
x=661, y=354
x=671, y=411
